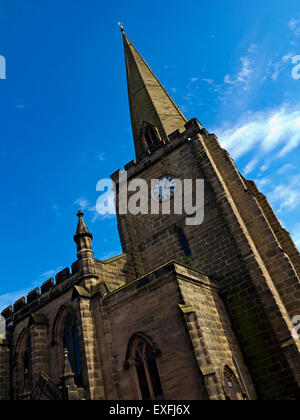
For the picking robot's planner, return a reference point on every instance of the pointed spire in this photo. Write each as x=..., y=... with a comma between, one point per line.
x=149, y=102
x=83, y=238
x=68, y=372
x=82, y=227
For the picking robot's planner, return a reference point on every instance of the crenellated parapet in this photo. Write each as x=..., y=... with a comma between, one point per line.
x=175, y=140
x=38, y=297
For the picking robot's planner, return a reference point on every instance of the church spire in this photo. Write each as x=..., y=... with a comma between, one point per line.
x=149, y=102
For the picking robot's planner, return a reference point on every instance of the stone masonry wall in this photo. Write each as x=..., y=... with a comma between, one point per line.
x=4, y=370
x=151, y=309
x=224, y=247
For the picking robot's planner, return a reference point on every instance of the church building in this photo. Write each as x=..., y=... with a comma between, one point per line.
x=186, y=312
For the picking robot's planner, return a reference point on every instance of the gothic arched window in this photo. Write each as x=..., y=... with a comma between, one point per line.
x=23, y=363
x=232, y=387
x=71, y=343
x=151, y=136
x=146, y=370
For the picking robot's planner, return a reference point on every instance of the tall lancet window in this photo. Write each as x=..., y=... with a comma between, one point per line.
x=151, y=136
x=26, y=360
x=147, y=372
x=71, y=343
x=184, y=243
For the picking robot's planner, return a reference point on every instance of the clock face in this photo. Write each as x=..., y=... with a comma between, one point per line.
x=164, y=189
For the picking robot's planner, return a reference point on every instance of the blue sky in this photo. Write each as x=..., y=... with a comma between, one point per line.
x=65, y=118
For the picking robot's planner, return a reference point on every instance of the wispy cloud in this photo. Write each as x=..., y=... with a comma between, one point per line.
x=49, y=274
x=277, y=66
x=55, y=207
x=192, y=81
x=109, y=255
x=242, y=78
x=101, y=157
x=82, y=203
x=209, y=81
x=276, y=131
x=296, y=235
x=21, y=104
x=286, y=168
x=262, y=183
x=11, y=297
x=251, y=166
x=294, y=25
x=286, y=195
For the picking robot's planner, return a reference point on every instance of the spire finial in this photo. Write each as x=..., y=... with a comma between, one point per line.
x=68, y=372
x=120, y=24
x=80, y=213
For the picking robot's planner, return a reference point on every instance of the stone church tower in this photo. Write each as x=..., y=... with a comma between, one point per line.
x=186, y=312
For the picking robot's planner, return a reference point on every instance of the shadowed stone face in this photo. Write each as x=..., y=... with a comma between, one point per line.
x=2, y=327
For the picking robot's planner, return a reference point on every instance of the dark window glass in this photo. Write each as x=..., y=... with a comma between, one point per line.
x=141, y=373
x=71, y=343
x=184, y=243
x=26, y=358
x=154, y=375
x=151, y=136
x=77, y=350
x=147, y=373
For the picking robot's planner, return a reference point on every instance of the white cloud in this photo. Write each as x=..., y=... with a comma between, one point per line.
x=192, y=81
x=286, y=168
x=243, y=76
x=209, y=81
x=276, y=131
x=56, y=208
x=82, y=203
x=49, y=274
x=101, y=157
x=294, y=26
x=252, y=48
x=109, y=255
x=96, y=216
x=286, y=196
x=20, y=104
x=10, y=298
x=265, y=166
x=276, y=68
x=251, y=166
x=262, y=183
x=296, y=235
